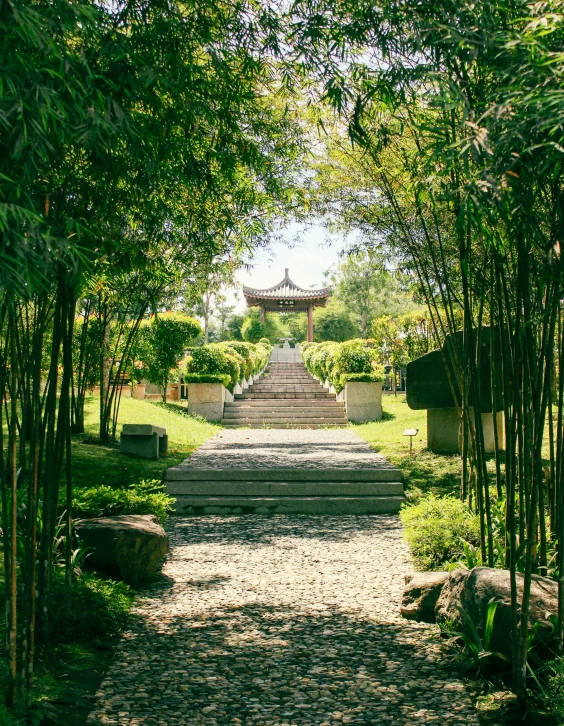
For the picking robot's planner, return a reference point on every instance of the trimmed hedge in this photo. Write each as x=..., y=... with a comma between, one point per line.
x=231, y=358
x=247, y=354
x=362, y=378
x=222, y=378
x=339, y=363
x=214, y=360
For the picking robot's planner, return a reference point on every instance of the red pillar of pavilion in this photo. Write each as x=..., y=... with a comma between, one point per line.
x=310, y=324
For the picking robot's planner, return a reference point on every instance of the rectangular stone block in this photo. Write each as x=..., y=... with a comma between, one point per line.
x=143, y=441
x=363, y=401
x=384, y=471
x=206, y=400
x=443, y=427
x=288, y=505
x=444, y=431
x=284, y=489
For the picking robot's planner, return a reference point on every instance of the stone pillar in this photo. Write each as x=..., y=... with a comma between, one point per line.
x=262, y=314
x=310, y=324
x=444, y=431
x=443, y=425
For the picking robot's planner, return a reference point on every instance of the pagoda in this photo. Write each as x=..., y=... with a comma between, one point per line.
x=286, y=297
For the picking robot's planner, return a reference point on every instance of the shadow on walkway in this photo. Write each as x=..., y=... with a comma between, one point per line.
x=267, y=664
x=266, y=530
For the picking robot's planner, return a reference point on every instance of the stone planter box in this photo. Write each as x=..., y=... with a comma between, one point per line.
x=207, y=400
x=363, y=401
x=173, y=393
x=139, y=391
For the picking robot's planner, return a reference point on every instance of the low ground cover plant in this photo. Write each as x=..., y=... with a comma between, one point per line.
x=436, y=529
x=145, y=497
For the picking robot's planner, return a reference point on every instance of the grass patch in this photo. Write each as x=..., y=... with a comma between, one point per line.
x=83, y=638
x=424, y=472
x=69, y=671
x=96, y=465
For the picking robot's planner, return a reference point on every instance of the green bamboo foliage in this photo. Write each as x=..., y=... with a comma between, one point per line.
x=123, y=167
x=456, y=162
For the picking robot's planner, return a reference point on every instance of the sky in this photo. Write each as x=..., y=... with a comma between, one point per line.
x=307, y=251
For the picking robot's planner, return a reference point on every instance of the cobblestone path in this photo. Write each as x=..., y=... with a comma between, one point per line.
x=281, y=621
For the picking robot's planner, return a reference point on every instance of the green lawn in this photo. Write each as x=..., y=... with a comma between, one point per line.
x=94, y=464
x=68, y=673
x=423, y=471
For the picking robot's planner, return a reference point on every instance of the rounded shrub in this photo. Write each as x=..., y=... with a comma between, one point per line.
x=354, y=356
x=262, y=353
x=236, y=374
x=213, y=359
x=307, y=351
x=247, y=353
x=324, y=359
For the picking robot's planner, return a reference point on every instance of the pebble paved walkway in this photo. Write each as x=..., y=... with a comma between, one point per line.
x=286, y=449
x=280, y=621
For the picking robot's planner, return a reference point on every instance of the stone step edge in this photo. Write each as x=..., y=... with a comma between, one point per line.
x=285, y=426
x=279, y=403
x=284, y=489
x=285, y=419
x=288, y=505
x=291, y=414
x=383, y=474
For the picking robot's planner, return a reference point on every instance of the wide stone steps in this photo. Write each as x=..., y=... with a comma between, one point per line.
x=235, y=490
x=294, y=424
x=285, y=420
x=285, y=403
x=286, y=396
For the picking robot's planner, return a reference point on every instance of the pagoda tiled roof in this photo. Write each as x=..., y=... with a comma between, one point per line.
x=286, y=290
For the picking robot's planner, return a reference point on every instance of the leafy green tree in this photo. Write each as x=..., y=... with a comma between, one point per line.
x=253, y=329
x=118, y=158
x=364, y=286
x=233, y=326
x=333, y=322
x=163, y=343
x=455, y=129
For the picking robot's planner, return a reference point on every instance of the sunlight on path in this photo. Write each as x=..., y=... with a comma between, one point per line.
x=281, y=621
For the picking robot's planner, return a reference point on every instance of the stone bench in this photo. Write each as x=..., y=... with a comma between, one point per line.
x=143, y=440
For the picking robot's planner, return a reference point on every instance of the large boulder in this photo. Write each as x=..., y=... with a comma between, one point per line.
x=473, y=589
x=422, y=590
x=130, y=547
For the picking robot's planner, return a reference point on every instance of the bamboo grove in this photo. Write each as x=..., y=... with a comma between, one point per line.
x=140, y=141
x=453, y=163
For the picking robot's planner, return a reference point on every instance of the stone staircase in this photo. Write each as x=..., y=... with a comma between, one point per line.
x=285, y=397
x=273, y=471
